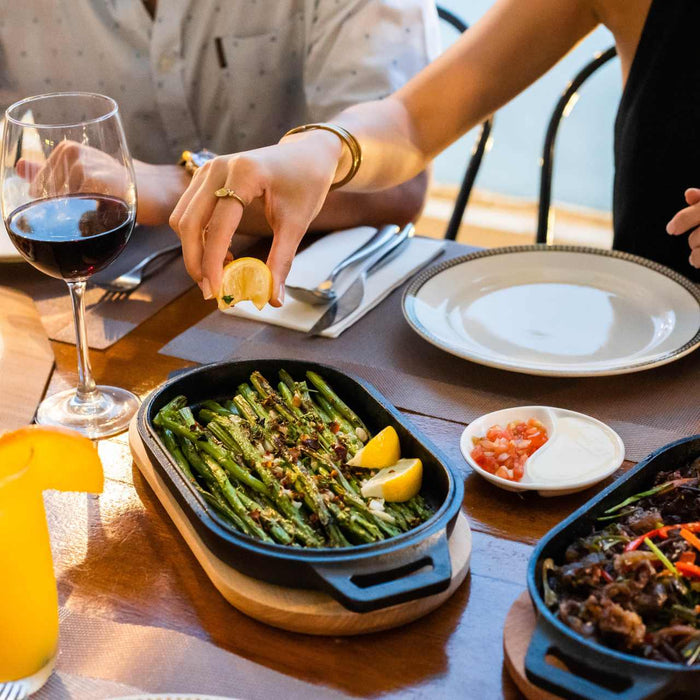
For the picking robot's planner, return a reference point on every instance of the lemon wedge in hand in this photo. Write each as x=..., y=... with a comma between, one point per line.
x=381, y=451
x=395, y=484
x=245, y=279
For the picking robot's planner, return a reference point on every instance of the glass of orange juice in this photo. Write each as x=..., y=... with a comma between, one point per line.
x=28, y=601
x=32, y=460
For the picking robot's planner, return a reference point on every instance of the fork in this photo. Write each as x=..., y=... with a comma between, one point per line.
x=121, y=287
x=13, y=691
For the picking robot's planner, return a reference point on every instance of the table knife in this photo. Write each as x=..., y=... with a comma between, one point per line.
x=324, y=292
x=351, y=298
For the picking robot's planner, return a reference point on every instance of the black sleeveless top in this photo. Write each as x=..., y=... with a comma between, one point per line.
x=657, y=136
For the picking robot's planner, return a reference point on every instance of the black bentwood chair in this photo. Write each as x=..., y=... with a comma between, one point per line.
x=478, y=150
x=563, y=109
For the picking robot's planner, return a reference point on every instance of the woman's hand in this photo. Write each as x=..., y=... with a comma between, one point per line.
x=292, y=179
x=686, y=219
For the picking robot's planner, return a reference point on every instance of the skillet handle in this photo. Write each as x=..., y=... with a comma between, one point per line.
x=569, y=685
x=389, y=579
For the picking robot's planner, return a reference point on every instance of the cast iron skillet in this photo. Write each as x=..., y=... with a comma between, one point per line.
x=362, y=578
x=602, y=673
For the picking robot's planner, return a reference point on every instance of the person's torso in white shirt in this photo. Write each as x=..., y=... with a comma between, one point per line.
x=228, y=75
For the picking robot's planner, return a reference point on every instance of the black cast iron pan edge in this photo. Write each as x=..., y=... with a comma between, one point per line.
x=364, y=578
x=599, y=672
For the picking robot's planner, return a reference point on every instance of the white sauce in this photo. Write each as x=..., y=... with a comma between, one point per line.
x=576, y=450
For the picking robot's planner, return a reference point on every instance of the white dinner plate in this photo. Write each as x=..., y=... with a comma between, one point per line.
x=560, y=311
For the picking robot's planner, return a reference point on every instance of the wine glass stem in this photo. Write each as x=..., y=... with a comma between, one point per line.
x=85, y=391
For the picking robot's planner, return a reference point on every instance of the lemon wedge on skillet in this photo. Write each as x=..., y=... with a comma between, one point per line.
x=396, y=484
x=381, y=451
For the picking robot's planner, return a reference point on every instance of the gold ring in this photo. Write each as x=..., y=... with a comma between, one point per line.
x=224, y=192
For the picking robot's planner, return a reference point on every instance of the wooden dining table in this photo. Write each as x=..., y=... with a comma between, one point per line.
x=124, y=560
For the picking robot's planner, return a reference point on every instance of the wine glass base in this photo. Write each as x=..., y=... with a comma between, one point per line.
x=24, y=687
x=107, y=412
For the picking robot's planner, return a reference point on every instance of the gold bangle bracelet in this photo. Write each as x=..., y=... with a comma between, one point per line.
x=346, y=137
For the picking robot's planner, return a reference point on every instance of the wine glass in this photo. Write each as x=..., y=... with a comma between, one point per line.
x=68, y=200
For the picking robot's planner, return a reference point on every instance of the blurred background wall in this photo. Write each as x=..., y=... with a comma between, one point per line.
x=584, y=163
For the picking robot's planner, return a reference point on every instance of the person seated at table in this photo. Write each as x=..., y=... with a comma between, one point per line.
x=225, y=76
x=656, y=150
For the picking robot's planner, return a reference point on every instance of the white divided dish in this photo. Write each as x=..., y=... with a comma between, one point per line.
x=580, y=450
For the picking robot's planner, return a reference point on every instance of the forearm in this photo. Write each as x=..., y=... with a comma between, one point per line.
x=397, y=205
x=510, y=47
x=158, y=188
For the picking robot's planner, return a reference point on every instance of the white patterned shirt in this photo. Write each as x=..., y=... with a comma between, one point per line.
x=228, y=75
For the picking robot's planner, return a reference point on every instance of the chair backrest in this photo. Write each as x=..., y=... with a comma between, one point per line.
x=478, y=150
x=563, y=108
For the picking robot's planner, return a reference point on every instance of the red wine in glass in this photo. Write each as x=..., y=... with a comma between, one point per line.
x=71, y=237
x=68, y=201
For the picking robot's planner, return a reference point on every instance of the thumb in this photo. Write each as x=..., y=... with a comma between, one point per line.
x=692, y=195
x=284, y=246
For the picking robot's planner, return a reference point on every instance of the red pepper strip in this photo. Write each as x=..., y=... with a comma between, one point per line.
x=688, y=557
x=689, y=537
x=606, y=576
x=686, y=569
x=661, y=532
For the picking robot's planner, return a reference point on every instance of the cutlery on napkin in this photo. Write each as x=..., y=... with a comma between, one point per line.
x=346, y=303
x=312, y=265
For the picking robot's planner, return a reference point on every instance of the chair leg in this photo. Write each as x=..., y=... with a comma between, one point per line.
x=544, y=235
x=469, y=178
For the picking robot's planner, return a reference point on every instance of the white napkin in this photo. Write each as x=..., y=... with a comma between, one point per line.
x=313, y=265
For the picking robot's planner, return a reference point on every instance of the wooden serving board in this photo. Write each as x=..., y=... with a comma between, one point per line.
x=517, y=632
x=297, y=610
x=26, y=359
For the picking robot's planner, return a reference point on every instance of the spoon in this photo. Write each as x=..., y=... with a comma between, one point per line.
x=324, y=292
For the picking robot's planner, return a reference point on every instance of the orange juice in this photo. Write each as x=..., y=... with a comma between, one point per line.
x=28, y=599
x=33, y=459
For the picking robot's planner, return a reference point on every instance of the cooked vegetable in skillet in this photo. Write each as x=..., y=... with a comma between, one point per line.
x=274, y=464
x=634, y=583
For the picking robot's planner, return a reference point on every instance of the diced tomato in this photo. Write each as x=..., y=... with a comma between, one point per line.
x=504, y=451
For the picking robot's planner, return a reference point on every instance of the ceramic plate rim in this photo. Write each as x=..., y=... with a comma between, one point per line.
x=544, y=486
x=411, y=293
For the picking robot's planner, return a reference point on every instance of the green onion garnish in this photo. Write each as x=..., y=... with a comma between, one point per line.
x=661, y=556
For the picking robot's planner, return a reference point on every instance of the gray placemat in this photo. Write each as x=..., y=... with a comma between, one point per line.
x=107, y=321
x=648, y=409
x=100, y=658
